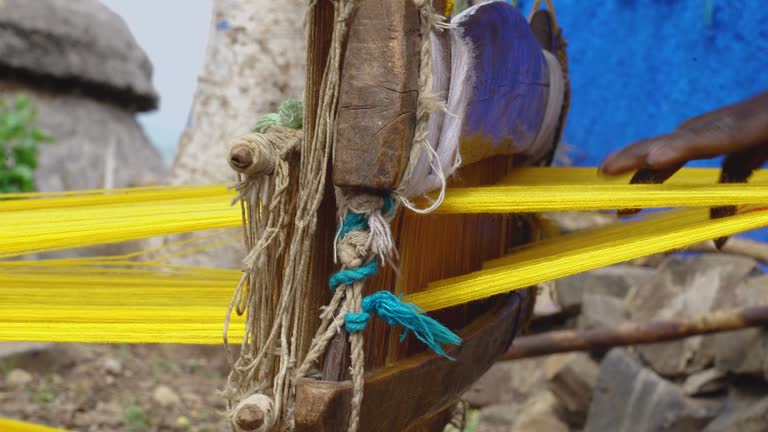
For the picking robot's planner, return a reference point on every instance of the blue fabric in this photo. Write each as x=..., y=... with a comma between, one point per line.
x=395, y=312
x=639, y=68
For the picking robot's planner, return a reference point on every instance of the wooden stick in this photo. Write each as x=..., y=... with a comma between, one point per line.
x=636, y=334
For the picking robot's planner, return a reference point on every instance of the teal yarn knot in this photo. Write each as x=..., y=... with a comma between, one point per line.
x=356, y=321
x=358, y=221
x=290, y=115
x=348, y=276
x=410, y=317
x=353, y=222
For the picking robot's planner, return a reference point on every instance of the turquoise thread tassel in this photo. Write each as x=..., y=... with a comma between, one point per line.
x=394, y=311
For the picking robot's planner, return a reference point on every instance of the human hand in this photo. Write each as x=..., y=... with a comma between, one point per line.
x=738, y=131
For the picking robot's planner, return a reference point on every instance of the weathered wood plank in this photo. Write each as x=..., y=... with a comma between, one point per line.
x=378, y=94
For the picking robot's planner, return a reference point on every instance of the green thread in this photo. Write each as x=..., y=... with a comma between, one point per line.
x=290, y=114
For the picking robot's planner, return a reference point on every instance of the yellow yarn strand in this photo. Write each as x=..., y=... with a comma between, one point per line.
x=158, y=304
x=121, y=300
x=8, y=425
x=97, y=217
x=554, y=198
x=582, y=251
x=152, y=303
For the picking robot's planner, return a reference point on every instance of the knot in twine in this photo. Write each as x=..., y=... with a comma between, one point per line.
x=363, y=233
x=410, y=317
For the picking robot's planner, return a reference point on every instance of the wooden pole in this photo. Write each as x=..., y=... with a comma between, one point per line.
x=636, y=334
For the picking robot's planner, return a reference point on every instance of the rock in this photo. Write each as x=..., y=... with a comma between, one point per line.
x=744, y=411
x=546, y=305
x=745, y=351
x=571, y=378
x=113, y=366
x=18, y=378
x=601, y=311
x=497, y=418
x=75, y=45
x=87, y=132
x=540, y=414
x=684, y=287
x=87, y=77
x=512, y=381
x=11, y=349
x=629, y=398
x=614, y=281
x=578, y=221
x=742, y=352
x=165, y=396
x=704, y=382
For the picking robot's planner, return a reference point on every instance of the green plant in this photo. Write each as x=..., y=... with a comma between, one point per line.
x=6, y=366
x=45, y=394
x=19, y=137
x=135, y=418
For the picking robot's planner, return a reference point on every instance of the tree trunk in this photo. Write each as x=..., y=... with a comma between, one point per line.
x=255, y=59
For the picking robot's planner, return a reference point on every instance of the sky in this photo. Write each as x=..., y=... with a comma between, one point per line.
x=175, y=43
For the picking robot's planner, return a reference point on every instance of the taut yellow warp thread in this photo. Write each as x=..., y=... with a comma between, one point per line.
x=152, y=304
x=121, y=300
x=48, y=222
x=582, y=251
x=558, y=198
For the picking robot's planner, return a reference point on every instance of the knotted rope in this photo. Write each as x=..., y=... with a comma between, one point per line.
x=364, y=239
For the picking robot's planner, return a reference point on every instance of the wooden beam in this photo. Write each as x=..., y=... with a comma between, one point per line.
x=417, y=388
x=378, y=94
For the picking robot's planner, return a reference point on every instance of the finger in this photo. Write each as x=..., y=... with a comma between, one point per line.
x=737, y=168
x=630, y=158
x=649, y=176
x=663, y=152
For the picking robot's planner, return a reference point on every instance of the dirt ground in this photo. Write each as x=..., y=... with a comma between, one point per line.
x=116, y=387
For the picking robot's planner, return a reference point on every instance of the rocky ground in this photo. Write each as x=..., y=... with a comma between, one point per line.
x=708, y=383
x=114, y=388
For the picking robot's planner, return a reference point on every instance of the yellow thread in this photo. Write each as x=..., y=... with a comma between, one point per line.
x=8, y=425
x=553, y=198
x=140, y=305
x=116, y=299
x=50, y=224
x=587, y=250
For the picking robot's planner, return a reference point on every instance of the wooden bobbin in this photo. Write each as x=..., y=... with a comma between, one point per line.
x=248, y=156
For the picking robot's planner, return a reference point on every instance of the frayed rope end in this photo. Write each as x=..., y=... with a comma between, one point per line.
x=394, y=311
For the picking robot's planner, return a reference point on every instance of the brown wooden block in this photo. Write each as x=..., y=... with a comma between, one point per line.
x=378, y=94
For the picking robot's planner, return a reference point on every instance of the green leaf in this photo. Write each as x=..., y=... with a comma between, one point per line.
x=40, y=136
x=26, y=156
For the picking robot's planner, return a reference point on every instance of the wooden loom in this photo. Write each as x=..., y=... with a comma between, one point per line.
x=379, y=87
